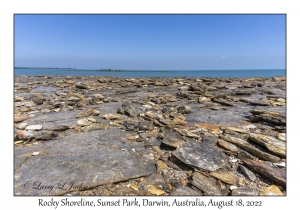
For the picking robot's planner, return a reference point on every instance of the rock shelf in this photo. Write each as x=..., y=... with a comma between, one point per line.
x=94, y=135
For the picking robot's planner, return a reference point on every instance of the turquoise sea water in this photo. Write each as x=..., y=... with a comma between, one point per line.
x=187, y=73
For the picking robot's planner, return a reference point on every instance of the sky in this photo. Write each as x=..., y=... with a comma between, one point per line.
x=150, y=42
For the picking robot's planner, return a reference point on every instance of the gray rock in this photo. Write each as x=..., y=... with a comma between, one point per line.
x=245, y=191
x=201, y=156
x=184, y=110
x=255, y=102
x=243, y=154
x=131, y=109
x=86, y=158
x=130, y=125
x=185, y=191
x=223, y=102
x=52, y=117
x=205, y=184
x=61, y=128
x=156, y=179
x=152, y=142
x=145, y=125
x=278, y=120
x=81, y=86
x=166, y=109
x=173, y=139
x=249, y=174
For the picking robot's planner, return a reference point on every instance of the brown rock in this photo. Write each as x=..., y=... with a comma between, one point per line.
x=161, y=165
x=275, y=146
x=178, y=121
x=228, y=146
x=85, y=113
x=96, y=126
x=21, y=117
x=173, y=139
x=187, y=133
x=111, y=116
x=259, y=112
x=251, y=149
x=184, y=110
x=210, y=127
x=205, y=184
x=224, y=176
x=275, y=174
x=271, y=190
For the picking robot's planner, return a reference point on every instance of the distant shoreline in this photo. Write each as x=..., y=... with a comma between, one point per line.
x=120, y=70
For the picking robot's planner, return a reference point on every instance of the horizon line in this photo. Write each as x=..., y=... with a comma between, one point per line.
x=109, y=69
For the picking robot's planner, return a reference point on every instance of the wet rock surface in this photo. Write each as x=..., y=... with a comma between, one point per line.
x=94, y=135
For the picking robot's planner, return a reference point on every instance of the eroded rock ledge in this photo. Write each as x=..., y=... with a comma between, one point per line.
x=94, y=135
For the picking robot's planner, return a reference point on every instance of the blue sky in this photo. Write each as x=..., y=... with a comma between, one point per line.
x=151, y=42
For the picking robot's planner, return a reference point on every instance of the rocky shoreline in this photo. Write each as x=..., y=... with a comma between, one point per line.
x=93, y=135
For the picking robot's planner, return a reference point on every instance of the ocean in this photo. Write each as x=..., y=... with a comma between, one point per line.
x=169, y=73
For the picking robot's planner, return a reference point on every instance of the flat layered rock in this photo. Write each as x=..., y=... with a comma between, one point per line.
x=223, y=102
x=37, y=135
x=85, y=113
x=275, y=174
x=57, y=125
x=205, y=184
x=94, y=158
x=173, y=139
x=224, y=176
x=250, y=148
x=278, y=120
x=255, y=102
x=136, y=124
x=111, y=116
x=187, y=133
x=249, y=174
x=239, y=130
x=96, y=126
x=259, y=112
x=201, y=156
x=228, y=146
x=245, y=191
x=51, y=117
x=275, y=146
